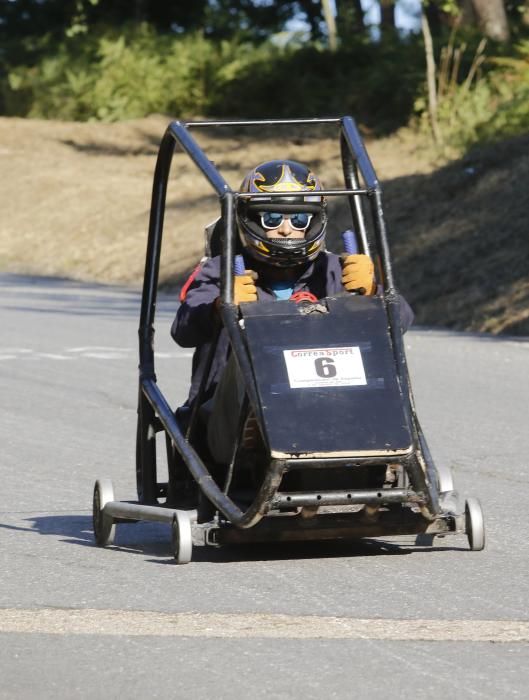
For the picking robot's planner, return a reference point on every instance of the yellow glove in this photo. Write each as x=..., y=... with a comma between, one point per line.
x=244, y=288
x=358, y=274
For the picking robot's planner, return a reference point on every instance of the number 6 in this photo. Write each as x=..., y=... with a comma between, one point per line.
x=325, y=367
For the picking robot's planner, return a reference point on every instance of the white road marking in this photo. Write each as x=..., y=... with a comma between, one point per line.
x=91, y=348
x=53, y=356
x=106, y=355
x=256, y=625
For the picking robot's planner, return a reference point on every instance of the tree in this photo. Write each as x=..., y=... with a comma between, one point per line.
x=314, y=16
x=430, y=78
x=349, y=17
x=491, y=18
x=387, y=16
x=217, y=18
x=330, y=22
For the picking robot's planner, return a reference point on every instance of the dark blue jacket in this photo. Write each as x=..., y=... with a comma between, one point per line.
x=194, y=325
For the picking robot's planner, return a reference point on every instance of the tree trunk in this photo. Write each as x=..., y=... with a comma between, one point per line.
x=492, y=19
x=467, y=15
x=313, y=14
x=433, y=15
x=387, y=16
x=430, y=80
x=359, y=15
x=350, y=16
x=330, y=22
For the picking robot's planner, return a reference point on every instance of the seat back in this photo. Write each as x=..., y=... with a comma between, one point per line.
x=213, y=239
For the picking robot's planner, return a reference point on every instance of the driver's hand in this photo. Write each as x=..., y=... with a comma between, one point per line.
x=358, y=274
x=244, y=288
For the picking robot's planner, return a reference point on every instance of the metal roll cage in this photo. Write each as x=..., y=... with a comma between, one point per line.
x=154, y=411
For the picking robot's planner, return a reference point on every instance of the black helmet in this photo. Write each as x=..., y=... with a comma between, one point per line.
x=292, y=178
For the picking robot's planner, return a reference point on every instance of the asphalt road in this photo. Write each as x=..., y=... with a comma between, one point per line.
x=374, y=619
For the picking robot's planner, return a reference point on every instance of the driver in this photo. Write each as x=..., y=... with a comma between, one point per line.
x=283, y=247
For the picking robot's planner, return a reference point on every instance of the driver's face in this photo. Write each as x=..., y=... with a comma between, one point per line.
x=285, y=230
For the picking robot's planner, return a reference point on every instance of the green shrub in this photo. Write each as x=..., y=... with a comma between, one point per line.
x=375, y=83
x=111, y=76
x=510, y=93
x=488, y=100
x=114, y=76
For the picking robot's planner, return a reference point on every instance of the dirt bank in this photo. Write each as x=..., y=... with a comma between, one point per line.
x=76, y=197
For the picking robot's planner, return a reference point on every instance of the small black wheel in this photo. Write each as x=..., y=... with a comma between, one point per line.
x=474, y=525
x=182, y=537
x=104, y=526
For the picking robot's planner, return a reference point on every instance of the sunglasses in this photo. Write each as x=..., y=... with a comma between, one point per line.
x=273, y=219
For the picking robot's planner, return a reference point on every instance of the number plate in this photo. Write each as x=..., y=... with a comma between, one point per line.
x=325, y=367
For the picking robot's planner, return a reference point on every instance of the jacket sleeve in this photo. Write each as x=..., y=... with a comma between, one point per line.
x=195, y=320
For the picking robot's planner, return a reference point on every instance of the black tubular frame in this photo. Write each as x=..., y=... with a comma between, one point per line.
x=153, y=409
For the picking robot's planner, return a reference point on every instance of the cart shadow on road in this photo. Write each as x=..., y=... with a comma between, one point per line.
x=283, y=551
x=154, y=540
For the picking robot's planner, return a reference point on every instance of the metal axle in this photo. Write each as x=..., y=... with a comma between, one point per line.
x=343, y=498
x=136, y=511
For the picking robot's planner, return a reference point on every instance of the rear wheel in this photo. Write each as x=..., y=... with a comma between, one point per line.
x=104, y=526
x=146, y=479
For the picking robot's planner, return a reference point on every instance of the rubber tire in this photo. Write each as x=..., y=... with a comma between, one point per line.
x=474, y=525
x=182, y=537
x=104, y=526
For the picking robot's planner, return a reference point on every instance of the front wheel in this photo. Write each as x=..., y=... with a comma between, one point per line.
x=474, y=524
x=182, y=537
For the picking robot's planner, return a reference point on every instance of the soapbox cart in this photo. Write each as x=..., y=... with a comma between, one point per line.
x=340, y=454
